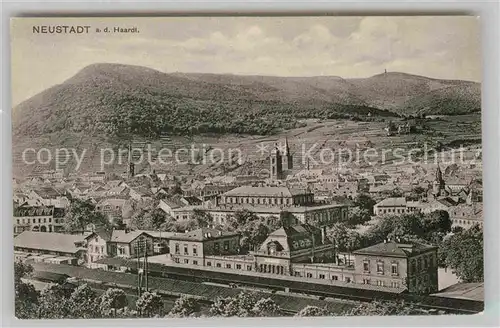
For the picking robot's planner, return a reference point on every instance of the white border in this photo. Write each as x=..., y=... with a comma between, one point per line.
x=487, y=10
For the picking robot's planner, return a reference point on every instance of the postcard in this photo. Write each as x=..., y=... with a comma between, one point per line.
x=246, y=166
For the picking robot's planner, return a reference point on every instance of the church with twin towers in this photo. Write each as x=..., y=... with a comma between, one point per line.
x=281, y=162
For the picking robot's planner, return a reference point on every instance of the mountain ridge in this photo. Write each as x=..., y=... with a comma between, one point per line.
x=118, y=99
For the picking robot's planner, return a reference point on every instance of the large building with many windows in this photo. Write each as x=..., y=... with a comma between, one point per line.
x=38, y=218
x=195, y=247
x=293, y=244
x=268, y=196
x=395, y=206
x=267, y=201
x=398, y=264
x=304, y=252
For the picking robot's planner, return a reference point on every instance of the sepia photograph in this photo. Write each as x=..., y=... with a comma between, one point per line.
x=197, y=167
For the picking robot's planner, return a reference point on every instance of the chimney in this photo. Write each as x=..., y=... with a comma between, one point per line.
x=385, y=241
x=220, y=233
x=209, y=235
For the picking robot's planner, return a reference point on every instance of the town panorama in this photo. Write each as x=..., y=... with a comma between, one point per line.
x=246, y=167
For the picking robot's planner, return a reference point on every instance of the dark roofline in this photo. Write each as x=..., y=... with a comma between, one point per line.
x=414, y=253
x=182, y=238
x=128, y=242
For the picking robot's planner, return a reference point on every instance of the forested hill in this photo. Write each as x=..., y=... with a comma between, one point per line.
x=116, y=100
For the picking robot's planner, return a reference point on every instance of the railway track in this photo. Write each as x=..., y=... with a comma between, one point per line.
x=180, y=281
x=170, y=289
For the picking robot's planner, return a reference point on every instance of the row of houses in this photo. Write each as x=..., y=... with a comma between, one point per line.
x=295, y=250
x=85, y=249
x=303, y=252
x=462, y=215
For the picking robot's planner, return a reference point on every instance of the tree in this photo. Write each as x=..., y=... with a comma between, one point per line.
x=287, y=218
x=417, y=193
x=168, y=225
x=26, y=301
x=53, y=304
x=186, y=225
x=176, y=188
x=244, y=304
x=82, y=213
x=25, y=296
x=436, y=225
x=244, y=216
x=231, y=224
x=141, y=218
x=357, y=215
x=149, y=304
x=364, y=201
x=407, y=225
x=338, y=233
x=383, y=308
x=202, y=218
x=62, y=290
x=274, y=222
x=463, y=253
x=223, y=307
x=353, y=241
x=266, y=307
x=158, y=218
x=83, y=302
x=313, y=311
x=185, y=306
x=112, y=300
x=21, y=270
x=254, y=233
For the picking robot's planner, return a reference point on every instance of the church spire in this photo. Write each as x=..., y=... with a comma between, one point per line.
x=287, y=148
x=439, y=185
x=288, y=156
x=439, y=175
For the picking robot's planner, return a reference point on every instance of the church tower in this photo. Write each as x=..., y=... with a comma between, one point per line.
x=276, y=166
x=131, y=166
x=438, y=185
x=288, y=156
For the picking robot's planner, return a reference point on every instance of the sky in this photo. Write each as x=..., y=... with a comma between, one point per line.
x=441, y=47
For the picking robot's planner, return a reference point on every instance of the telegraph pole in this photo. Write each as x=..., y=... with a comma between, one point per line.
x=139, y=280
x=146, y=275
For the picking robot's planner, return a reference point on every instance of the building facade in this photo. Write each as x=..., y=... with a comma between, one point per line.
x=320, y=215
x=398, y=264
x=130, y=244
x=293, y=244
x=69, y=248
x=38, y=218
x=192, y=247
x=267, y=196
x=97, y=247
x=395, y=206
